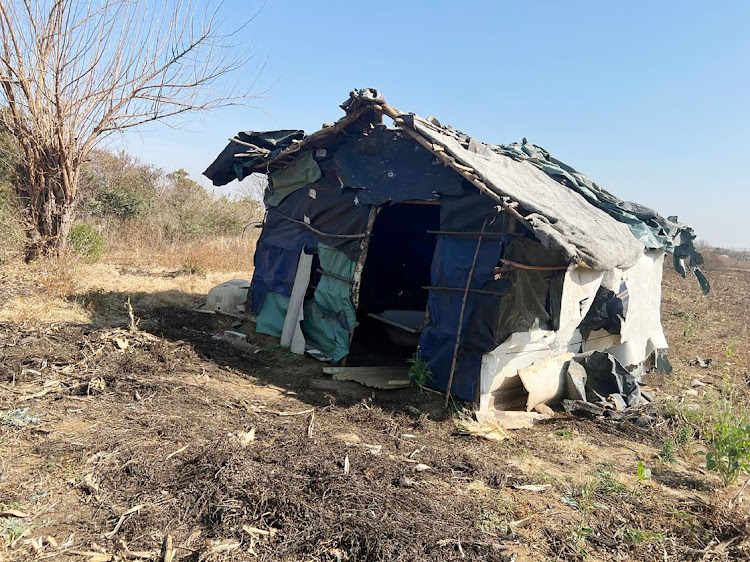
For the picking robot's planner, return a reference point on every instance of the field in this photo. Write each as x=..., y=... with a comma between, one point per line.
x=156, y=441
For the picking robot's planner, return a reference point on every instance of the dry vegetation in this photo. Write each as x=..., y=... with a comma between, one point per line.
x=112, y=440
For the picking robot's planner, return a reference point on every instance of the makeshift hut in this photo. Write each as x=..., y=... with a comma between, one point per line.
x=508, y=272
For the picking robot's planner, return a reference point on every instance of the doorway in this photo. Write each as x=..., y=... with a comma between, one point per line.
x=392, y=298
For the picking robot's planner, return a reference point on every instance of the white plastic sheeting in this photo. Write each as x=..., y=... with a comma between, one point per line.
x=521, y=350
x=641, y=331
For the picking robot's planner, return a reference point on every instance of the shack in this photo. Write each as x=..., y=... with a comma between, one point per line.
x=493, y=264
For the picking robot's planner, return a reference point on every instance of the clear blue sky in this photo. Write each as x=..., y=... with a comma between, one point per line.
x=650, y=99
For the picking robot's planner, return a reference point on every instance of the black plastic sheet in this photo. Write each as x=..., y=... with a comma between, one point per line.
x=386, y=165
x=599, y=378
x=534, y=297
x=466, y=212
x=227, y=168
x=607, y=312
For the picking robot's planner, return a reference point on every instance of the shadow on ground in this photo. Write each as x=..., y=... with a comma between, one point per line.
x=275, y=365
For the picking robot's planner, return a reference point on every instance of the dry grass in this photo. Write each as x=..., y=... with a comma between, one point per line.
x=68, y=291
x=136, y=246
x=32, y=309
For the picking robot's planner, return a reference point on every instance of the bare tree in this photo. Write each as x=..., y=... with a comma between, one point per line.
x=74, y=72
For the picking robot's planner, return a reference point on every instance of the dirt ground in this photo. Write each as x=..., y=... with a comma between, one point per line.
x=115, y=443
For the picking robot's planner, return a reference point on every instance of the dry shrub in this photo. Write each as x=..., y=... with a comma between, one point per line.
x=56, y=277
x=150, y=217
x=135, y=247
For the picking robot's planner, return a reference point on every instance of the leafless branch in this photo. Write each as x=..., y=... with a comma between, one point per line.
x=73, y=72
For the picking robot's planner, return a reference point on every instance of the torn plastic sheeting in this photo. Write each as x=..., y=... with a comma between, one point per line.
x=528, y=302
x=641, y=333
x=330, y=316
x=272, y=314
x=466, y=212
x=279, y=231
x=468, y=365
x=521, y=350
x=530, y=299
x=332, y=209
x=325, y=207
x=500, y=366
x=602, y=376
x=579, y=289
x=600, y=340
x=450, y=267
x=227, y=167
x=275, y=269
x=561, y=218
x=646, y=225
x=607, y=312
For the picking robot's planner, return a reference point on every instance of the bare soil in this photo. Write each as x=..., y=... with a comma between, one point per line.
x=133, y=436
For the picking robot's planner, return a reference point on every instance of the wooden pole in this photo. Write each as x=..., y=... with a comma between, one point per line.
x=461, y=315
x=360, y=265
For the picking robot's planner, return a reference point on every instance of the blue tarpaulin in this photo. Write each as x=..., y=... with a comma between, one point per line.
x=275, y=269
x=450, y=268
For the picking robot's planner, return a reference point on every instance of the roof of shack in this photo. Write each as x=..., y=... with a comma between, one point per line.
x=565, y=209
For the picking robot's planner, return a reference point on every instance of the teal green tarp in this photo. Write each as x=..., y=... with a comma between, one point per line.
x=301, y=172
x=272, y=314
x=330, y=317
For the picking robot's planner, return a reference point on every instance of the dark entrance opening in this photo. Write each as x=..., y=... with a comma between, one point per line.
x=392, y=301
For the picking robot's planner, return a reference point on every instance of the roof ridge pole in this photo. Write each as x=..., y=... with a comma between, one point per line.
x=461, y=315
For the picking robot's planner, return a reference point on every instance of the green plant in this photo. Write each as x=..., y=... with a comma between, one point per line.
x=668, y=451
x=419, y=372
x=12, y=529
x=685, y=435
x=728, y=442
x=608, y=482
x=578, y=536
x=86, y=242
x=639, y=536
x=691, y=327
x=564, y=433
x=642, y=472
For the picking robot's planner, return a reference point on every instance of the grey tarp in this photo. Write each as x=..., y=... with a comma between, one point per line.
x=561, y=218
